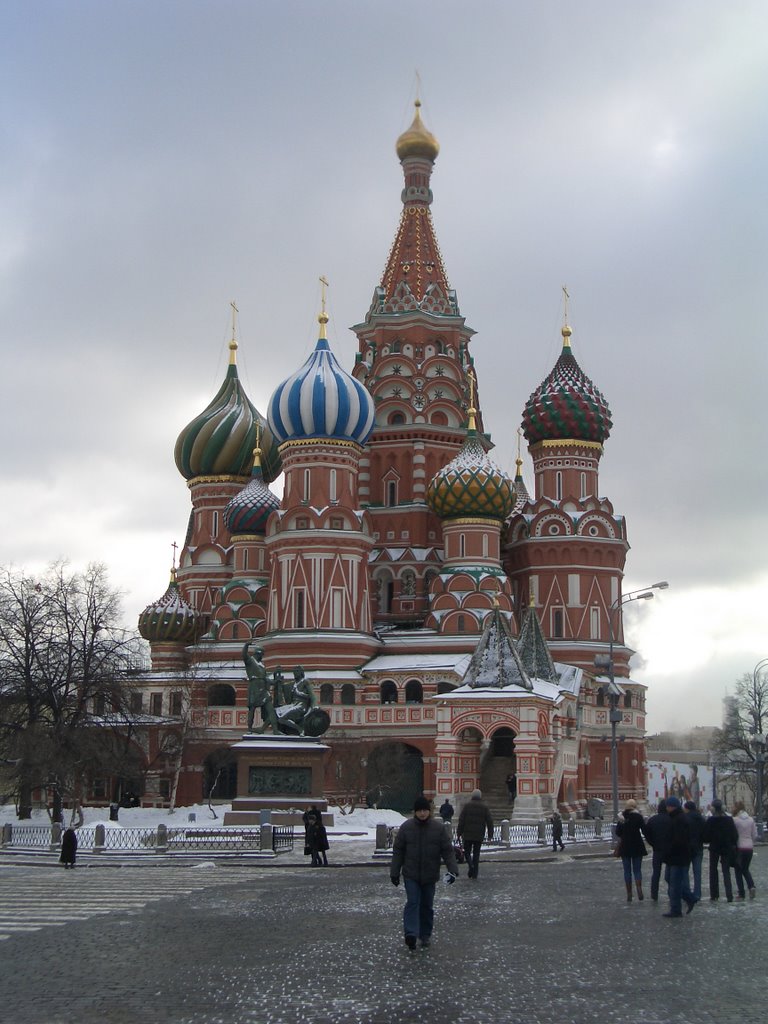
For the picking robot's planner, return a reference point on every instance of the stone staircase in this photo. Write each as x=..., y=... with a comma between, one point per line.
x=494, y=788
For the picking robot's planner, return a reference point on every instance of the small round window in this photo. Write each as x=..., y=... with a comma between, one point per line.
x=554, y=529
x=593, y=531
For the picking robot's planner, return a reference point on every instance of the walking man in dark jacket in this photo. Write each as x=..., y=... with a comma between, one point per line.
x=721, y=835
x=474, y=819
x=656, y=831
x=696, y=827
x=678, y=857
x=420, y=844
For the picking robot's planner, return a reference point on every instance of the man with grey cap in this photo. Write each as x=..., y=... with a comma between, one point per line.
x=474, y=820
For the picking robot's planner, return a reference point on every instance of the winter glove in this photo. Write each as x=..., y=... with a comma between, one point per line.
x=394, y=879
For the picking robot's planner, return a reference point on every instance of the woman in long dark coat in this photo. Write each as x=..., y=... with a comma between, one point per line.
x=68, y=848
x=629, y=830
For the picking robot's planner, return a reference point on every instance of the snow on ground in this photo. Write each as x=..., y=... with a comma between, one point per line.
x=355, y=825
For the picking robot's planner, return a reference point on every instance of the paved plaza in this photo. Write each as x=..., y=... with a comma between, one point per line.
x=535, y=940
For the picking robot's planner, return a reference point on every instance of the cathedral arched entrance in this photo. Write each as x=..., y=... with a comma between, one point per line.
x=395, y=776
x=496, y=768
x=220, y=775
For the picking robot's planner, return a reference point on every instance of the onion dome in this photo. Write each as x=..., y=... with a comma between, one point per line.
x=321, y=401
x=471, y=484
x=250, y=509
x=171, y=619
x=417, y=141
x=220, y=441
x=566, y=405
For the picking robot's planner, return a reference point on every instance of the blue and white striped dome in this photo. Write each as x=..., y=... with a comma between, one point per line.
x=321, y=401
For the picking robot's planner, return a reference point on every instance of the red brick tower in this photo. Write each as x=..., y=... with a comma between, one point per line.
x=566, y=549
x=319, y=543
x=414, y=359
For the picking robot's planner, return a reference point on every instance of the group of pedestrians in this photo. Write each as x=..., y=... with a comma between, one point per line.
x=677, y=834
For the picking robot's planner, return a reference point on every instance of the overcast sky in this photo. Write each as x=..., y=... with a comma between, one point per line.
x=159, y=159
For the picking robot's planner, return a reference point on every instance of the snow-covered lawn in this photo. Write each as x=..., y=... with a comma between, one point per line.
x=357, y=825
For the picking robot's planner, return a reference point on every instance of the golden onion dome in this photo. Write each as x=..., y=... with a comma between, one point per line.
x=417, y=141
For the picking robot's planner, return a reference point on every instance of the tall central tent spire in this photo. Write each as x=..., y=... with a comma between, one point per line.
x=414, y=277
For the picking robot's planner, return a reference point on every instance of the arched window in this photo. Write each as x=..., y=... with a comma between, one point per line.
x=388, y=692
x=600, y=701
x=391, y=493
x=557, y=623
x=326, y=693
x=445, y=687
x=627, y=699
x=221, y=695
x=414, y=693
x=396, y=419
x=558, y=486
x=348, y=693
x=332, y=485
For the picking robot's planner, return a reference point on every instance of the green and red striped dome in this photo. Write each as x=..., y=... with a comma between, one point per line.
x=566, y=405
x=171, y=619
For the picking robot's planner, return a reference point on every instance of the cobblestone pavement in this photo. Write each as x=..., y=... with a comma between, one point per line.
x=547, y=942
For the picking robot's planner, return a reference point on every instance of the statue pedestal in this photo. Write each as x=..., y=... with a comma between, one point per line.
x=281, y=774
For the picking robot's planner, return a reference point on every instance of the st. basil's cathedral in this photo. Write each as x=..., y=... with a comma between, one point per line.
x=447, y=619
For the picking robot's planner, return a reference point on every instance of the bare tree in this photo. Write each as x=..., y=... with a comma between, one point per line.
x=746, y=717
x=65, y=680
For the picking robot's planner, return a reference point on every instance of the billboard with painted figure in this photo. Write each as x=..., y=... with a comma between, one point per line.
x=685, y=781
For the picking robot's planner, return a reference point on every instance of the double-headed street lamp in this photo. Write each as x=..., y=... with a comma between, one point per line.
x=613, y=690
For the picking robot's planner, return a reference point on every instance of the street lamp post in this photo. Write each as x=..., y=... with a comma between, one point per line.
x=614, y=691
x=758, y=742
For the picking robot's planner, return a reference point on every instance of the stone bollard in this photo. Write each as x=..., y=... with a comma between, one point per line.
x=7, y=839
x=99, y=839
x=381, y=849
x=55, y=835
x=505, y=841
x=265, y=830
x=542, y=840
x=162, y=839
x=572, y=829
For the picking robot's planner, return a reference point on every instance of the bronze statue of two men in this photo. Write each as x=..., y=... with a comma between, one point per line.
x=287, y=708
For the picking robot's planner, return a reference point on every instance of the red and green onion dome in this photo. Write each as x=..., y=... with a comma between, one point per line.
x=471, y=484
x=250, y=508
x=566, y=405
x=171, y=619
x=220, y=441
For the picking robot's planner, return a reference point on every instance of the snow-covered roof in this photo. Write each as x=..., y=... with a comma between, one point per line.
x=415, y=662
x=540, y=688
